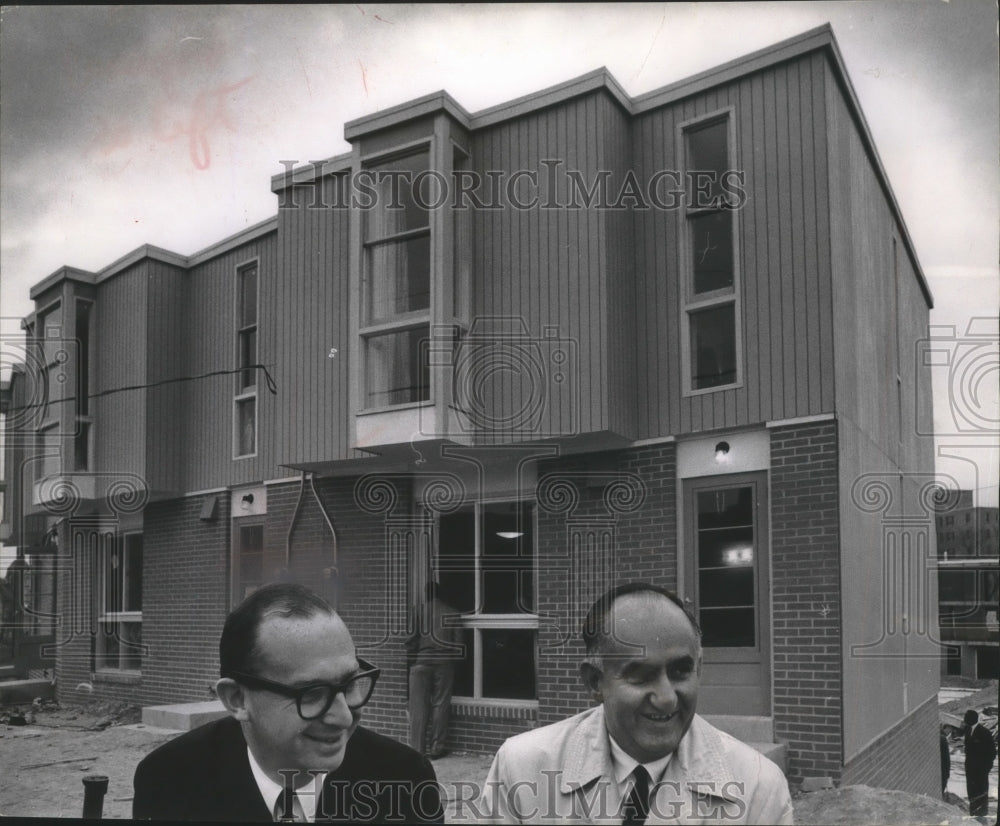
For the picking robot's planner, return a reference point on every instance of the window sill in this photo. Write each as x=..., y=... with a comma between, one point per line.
x=496, y=709
x=117, y=676
x=392, y=408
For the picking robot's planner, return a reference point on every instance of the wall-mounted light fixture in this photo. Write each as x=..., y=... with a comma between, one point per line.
x=247, y=502
x=722, y=452
x=510, y=534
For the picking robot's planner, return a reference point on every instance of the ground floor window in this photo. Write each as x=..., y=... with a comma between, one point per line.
x=486, y=562
x=118, y=645
x=248, y=559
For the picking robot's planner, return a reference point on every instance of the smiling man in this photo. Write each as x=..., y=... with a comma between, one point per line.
x=642, y=755
x=292, y=748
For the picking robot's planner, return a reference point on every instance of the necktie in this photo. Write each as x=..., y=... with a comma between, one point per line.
x=287, y=808
x=637, y=804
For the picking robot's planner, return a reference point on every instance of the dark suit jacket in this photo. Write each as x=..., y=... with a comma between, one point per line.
x=205, y=775
x=979, y=751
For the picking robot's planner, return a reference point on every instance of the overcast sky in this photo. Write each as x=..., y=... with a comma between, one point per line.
x=121, y=126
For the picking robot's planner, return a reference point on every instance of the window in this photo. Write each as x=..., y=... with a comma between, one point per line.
x=245, y=410
x=118, y=645
x=726, y=540
x=396, y=284
x=54, y=380
x=710, y=314
x=248, y=560
x=486, y=559
x=82, y=448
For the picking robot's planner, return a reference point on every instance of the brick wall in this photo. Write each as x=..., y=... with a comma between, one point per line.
x=603, y=519
x=805, y=593
x=907, y=757
x=185, y=598
x=74, y=601
x=184, y=604
x=368, y=587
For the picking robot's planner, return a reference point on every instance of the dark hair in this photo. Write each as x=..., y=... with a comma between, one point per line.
x=971, y=717
x=238, y=643
x=595, y=625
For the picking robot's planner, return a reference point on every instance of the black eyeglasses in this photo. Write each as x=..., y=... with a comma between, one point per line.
x=314, y=700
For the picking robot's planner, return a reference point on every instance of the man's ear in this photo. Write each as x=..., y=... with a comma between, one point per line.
x=233, y=698
x=591, y=676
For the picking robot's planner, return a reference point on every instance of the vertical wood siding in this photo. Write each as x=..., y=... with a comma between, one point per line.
x=121, y=361
x=783, y=258
x=306, y=315
x=168, y=340
x=548, y=266
x=209, y=328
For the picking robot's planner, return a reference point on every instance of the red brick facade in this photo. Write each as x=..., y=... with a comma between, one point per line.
x=805, y=589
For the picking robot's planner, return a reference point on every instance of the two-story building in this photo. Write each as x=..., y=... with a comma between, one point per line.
x=572, y=340
x=968, y=547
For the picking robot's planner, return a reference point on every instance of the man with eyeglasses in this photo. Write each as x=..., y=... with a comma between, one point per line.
x=292, y=748
x=642, y=754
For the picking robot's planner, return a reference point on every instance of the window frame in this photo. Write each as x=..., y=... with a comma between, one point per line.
x=370, y=328
x=479, y=622
x=235, y=549
x=691, y=302
x=83, y=432
x=245, y=394
x=109, y=543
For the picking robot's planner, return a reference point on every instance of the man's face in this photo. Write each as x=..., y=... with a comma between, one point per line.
x=298, y=652
x=649, y=680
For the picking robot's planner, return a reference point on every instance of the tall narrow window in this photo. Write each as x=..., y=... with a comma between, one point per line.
x=396, y=287
x=486, y=559
x=248, y=559
x=82, y=449
x=245, y=418
x=710, y=290
x=118, y=645
x=56, y=363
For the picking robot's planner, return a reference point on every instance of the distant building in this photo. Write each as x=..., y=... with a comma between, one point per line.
x=669, y=338
x=968, y=539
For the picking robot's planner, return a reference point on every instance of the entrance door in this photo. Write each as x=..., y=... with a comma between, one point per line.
x=727, y=587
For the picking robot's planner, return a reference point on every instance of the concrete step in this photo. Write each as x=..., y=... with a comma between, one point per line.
x=15, y=692
x=183, y=716
x=775, y=752
x=742, y=727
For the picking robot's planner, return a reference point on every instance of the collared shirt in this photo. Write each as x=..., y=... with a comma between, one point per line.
x=308, y=795
x=624, y=764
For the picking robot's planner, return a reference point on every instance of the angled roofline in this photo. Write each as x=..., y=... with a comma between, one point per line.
x=154, y=253
x=820, y=39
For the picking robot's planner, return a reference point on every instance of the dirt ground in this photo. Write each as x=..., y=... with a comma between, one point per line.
x=46, y=752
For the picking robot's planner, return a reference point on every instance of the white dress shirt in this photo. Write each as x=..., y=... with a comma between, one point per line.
x=307, y=795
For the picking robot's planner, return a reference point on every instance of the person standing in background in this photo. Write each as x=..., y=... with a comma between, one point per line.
x=433, y=648
x=980, y=751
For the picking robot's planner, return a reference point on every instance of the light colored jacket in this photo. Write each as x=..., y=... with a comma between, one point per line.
x=563, y=773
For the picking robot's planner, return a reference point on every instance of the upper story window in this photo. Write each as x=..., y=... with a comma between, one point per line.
x=54, y=366
x=245, y=405
x=396, y=283
x=711, y=282
x=82, y=441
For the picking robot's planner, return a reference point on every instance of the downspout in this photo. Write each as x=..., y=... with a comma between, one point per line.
x=332, y=569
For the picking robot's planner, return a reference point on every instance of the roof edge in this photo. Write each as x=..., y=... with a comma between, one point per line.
x=394, y=115
x=62, y=274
